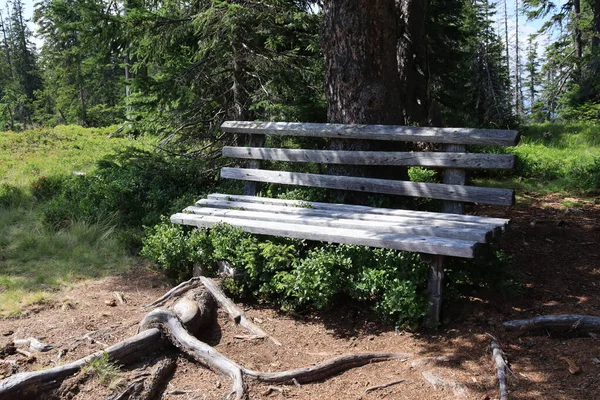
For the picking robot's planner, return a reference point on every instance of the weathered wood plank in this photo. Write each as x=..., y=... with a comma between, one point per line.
x=422, y=244
x=415, y=189
x=431, y=159
x=350, y=208
x=378, y=132
x=408, y=227
x=390, y=219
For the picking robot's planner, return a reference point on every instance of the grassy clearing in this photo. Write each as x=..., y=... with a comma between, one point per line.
x=556, y=158
x=27, y=156
x=36, y=259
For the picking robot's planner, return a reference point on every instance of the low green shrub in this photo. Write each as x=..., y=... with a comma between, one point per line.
x=296, y=274
x=175, y=249
x=12, y=196
x=135, y=185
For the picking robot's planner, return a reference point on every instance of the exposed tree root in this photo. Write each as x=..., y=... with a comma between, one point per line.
x=175, y=292
x=563, y=323
x=133, y=348
x=501, y=366
x=162, y=322
x=325, y=369
x=234, y=311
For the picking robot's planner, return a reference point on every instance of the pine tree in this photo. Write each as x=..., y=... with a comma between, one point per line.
x=21, y=77
x=533, y=73
x=82, y=68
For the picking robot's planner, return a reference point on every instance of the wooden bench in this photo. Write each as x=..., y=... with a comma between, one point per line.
x=448, y=233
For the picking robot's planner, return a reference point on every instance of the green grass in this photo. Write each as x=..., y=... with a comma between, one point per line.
x=563, y=158
x=104, y=371
x=36, y=259
x=27, y=156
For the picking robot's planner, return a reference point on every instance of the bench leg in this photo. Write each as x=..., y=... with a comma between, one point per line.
x=434, y=287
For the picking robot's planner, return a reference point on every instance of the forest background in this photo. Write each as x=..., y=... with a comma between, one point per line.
x=111, y=115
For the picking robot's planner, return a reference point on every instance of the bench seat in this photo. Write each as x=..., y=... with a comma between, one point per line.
x=417, y=231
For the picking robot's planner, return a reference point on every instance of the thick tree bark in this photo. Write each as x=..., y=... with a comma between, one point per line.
x=596, y=37
x=361, y=70
x=375, y=71
x=412, y=60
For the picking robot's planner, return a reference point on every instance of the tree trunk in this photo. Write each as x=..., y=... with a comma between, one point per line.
x=412, y=60
x=596, y=37
x=375, y=70
x=578, y=38
x=359, y=39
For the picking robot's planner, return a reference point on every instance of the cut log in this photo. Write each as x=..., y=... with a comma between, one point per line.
x=561, y=323
x=472, y=194
x=352, y=209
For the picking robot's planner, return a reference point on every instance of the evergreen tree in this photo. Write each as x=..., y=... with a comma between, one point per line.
x=81, y=64
x=533, y=72
x=197, y=64
x=469, y=76
x=21, y=77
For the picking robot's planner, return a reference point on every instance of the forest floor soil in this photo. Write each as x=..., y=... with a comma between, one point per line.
x=556, y=255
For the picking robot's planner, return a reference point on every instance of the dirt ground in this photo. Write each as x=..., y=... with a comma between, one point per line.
x=556, y=252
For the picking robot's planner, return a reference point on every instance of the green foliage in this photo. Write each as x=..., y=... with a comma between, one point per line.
x=177, y=250
x=27, y=156
x=420, y=174
x=468, y=73
x=37, y=260
x=297, y=274
x=493, y=270
x=12, y=196
x=135, y=185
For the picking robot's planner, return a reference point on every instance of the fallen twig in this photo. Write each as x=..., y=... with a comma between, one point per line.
x=272, y=389
x=34, y=344
x=385, y=385
x=120, y=298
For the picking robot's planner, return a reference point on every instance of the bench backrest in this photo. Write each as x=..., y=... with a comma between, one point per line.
x=455, y=159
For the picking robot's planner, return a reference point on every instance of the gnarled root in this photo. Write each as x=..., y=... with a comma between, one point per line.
x=564, y=323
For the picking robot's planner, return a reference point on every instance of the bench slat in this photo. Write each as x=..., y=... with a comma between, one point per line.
x=378, y=132
x=422, y=244
x=351, y=208
x=431, y=159
x=389, y=219
x=479, y=234
x=416, y=189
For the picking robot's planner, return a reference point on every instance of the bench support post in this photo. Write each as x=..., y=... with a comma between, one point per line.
x=434, y=287
x=454, y=176
x=251, y=188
